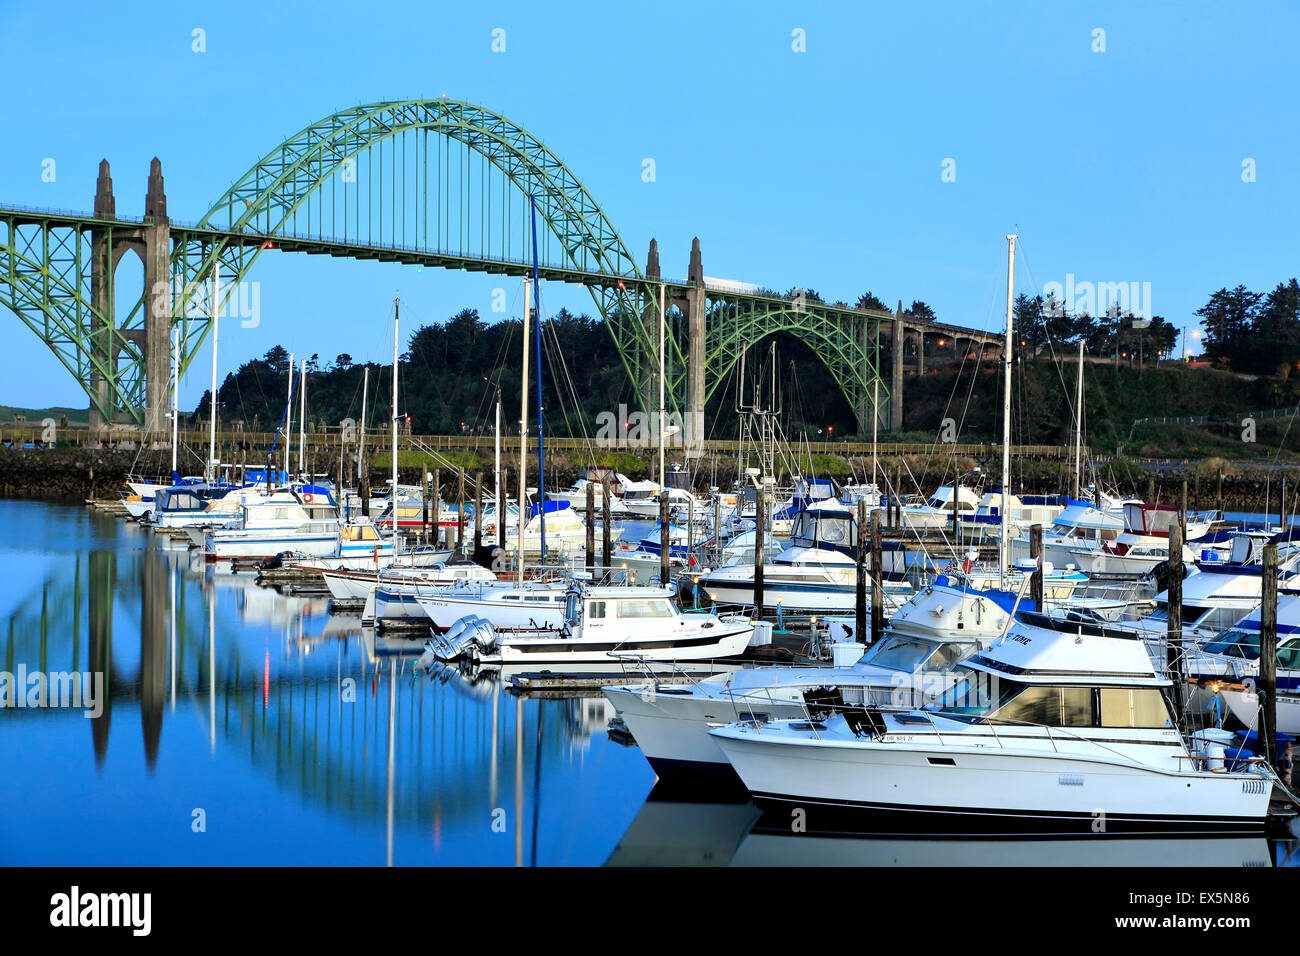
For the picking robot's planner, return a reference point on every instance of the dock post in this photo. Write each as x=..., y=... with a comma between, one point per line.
x=1182, y=510
x=424, y=507
x=664, y=541
x=1174, y=622
x=460, y=511
x=760, y=552
x=478, y=512
x=1036, y=579
x=860, y=631
x=591, y=530
x=437, y=509
x=1267, y=688
x=605, y=546
x=877, y=580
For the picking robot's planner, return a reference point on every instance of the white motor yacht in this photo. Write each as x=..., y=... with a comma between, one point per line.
x=1062, y=729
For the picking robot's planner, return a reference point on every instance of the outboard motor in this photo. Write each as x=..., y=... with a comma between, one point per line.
x=468, y=637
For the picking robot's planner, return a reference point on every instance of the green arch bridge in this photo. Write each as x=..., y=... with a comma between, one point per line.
x=437, y=183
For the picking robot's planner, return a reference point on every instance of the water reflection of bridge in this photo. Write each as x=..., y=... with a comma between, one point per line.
x=351, y=734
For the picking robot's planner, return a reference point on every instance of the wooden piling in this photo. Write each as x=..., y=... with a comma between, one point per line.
x=478, y=512
x=1266, y=689
x=759, y=551
x=460, y=511
x=606, y=546
x=1036, y=579
x=860, y=632
x=591, y=531
x=877, y=580
x=424, y=507
x=1174, y=622
x=664, y=576
x=437, y=507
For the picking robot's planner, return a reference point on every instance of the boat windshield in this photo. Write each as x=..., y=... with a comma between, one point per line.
x=901, y=653
x=1237, y=642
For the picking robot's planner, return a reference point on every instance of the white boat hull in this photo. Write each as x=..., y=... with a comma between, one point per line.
x=974, y=786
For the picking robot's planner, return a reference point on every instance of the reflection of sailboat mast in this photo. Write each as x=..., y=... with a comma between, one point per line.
x=212, y=669
x=496, y=706
x=537, y=780
x=519, y=781
x=392, y=718
x=171, y=680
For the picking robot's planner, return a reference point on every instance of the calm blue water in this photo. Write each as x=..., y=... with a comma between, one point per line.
x=291, y=739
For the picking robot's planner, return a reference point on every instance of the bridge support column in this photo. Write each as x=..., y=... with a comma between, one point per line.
x=101, y=296
x=861, y=412
x=896, y=389
x=920, y=352
x=695, y=317
x=157, y=323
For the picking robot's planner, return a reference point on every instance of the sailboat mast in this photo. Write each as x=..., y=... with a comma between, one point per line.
x=361, y=435
x=1004, y=545
x=396, y=322
x=496, y=469
x=288, y=422
x=210, y=471
x=302, y=421
x=541, y=449
x=523, y=442
x=662, y=323
x=1078, y=426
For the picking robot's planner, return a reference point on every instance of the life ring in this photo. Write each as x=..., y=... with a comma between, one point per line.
x=307, y=497
x=966, y=565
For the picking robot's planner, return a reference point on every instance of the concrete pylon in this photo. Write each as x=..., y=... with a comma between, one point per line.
x=696, y=298
x=920, y=352
x=650, y=318
x=896, y=385
x=157, y=323
x=101, y=296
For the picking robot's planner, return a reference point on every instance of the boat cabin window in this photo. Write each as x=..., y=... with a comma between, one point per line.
x=596, y=611
x=638, y=609
x=1133, y=707
x=1237, y=643
x=1288, y=656
x=902, y=654
x=1054, y=706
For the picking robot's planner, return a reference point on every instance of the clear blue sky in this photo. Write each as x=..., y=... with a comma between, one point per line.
x=819, y=169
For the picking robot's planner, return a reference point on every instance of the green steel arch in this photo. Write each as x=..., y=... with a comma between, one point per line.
x=328, y=182
x=844, y=339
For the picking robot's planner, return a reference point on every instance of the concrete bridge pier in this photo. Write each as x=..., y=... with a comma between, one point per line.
x=158, y=306
x=102, y=264
x=695, y=318
x=152, y=243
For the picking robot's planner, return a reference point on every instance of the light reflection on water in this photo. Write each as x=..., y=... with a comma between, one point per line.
x=246, y=726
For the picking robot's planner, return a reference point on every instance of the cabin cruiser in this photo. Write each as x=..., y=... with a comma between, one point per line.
x=597, y=478
x=394, y=598
x=307, y=524
x=641, y=499
x=357, y=585
x=1144, y=542
x=1061, y=728
x=1079, y=526
x=817, y=572
x=1023, y=511
x=565, y=529
x=913, y=664
x=174, y=506
x=937, y=511
x=608, y=625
